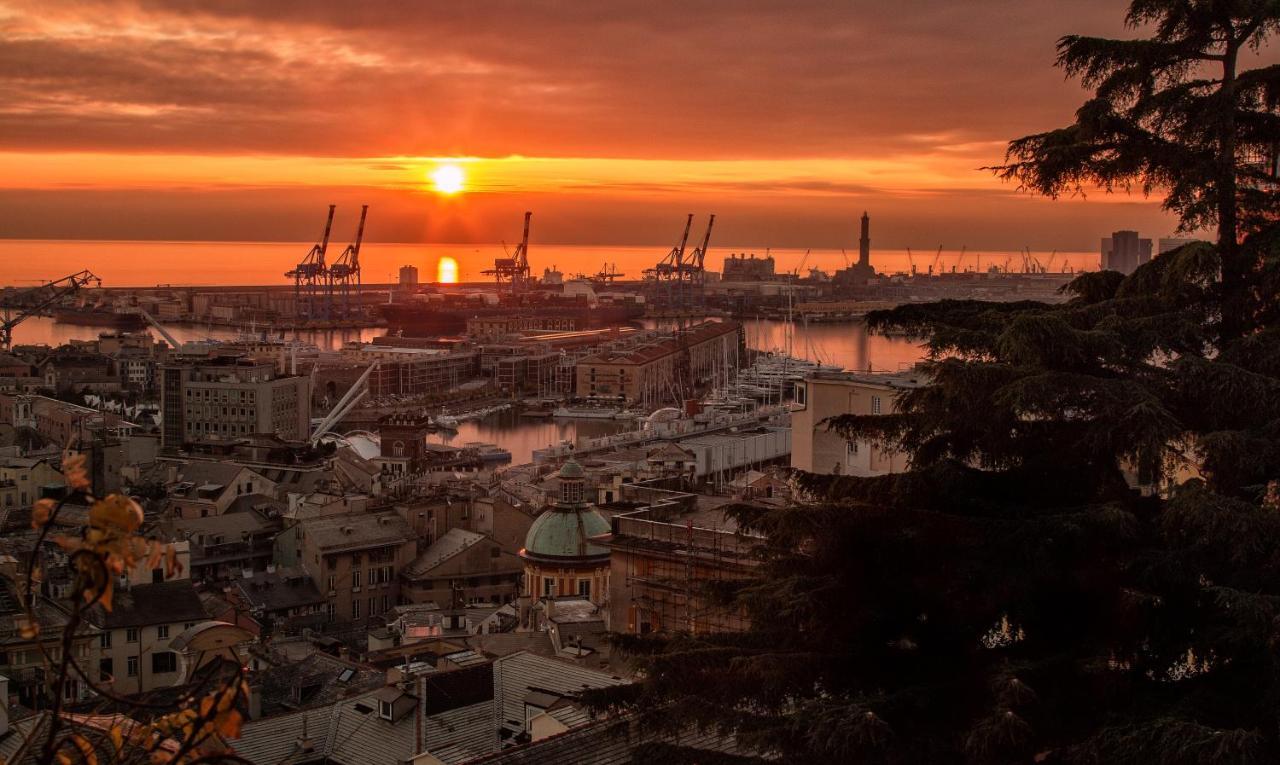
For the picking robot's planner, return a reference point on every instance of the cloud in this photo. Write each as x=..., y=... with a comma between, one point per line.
x=665, y=79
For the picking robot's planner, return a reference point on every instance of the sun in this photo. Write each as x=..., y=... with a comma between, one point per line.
x=448, y=179
x=447, y=271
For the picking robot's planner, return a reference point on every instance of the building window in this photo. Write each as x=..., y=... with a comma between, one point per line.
x=104, y=640
x=355, y=580
x=164, y=662
x=548, y=586
x=106, y=669
x=386, y=603
x=355, y=609
x=162, y=632
x=801, y=394
x=331, y=610
x=373, y=605
x=384, y=709
x=131, y=635
x=132, y=667
x=584, y=588
x=332, y=582
x=875, y=405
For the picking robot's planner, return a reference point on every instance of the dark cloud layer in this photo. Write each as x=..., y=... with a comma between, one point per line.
x=615, y=79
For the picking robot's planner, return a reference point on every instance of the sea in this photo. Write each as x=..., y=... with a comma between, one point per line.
x=152, y=263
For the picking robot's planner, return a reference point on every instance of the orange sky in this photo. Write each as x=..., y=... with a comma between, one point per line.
x=240, y=120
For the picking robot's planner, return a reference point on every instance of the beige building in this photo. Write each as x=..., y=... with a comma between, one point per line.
x=228, y=398
x=651, y=374
x=133, y=648
x=23, y=480
x=464, y=560
x=816, y=449
x=355, y=561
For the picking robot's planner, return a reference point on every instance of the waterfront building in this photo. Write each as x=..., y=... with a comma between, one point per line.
x=228, y=398
x=744, y=268
x=560, y=556
x=663, y=371
x=1124, y=251
x=821, y=395
x=408, y=276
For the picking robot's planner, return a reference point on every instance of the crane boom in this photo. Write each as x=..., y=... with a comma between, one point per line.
x=57, y=289
x=700, y=252
x=168, y=338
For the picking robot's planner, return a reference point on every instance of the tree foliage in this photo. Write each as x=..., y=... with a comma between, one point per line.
x=1082, y=563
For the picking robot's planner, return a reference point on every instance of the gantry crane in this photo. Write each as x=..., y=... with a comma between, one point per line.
x=21, y=305
x=311, y=278
x=514, y=270
x=679, y=275
x=344, y=274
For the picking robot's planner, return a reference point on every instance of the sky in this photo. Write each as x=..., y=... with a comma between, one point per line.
x=242, y=120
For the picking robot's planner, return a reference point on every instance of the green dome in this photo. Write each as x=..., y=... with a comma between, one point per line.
x=572, y=469
x=562, y=532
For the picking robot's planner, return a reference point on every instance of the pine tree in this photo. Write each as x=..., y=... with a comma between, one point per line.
x=1082, y=564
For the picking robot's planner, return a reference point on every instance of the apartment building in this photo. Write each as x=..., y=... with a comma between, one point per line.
x=133, y=645
x=355, y=561
x=227, y=398
x=653, y=373
x=816, y=449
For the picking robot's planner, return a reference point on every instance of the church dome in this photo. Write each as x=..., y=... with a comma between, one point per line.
x=562, y=534
x=563, y=531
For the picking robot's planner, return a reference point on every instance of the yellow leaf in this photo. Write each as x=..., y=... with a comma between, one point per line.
x=117, y=738
x=41, y=512
x=116, y=512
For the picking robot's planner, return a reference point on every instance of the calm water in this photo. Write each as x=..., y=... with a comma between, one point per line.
x=521, y=435
x=124, y=264
x=848, y=345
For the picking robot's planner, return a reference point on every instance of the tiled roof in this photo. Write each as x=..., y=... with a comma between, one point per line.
x=146, y=604
x=353, y=531
x=516, y=675
x=453, y=541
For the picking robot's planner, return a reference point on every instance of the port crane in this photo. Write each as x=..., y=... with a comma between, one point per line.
x=911, y=261
x=677, y=275
x=934, y=268
x=695, y=263
x=514, y=270
x=311, y=277
x=21, y=305
x=344, y=274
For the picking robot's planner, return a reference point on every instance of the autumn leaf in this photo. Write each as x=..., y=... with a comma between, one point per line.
x=116, y=512
x=41, y=512
x=73, y=469
x=27, y=629
x=172, y=566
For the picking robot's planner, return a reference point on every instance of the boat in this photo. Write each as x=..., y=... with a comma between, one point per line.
x=586, y=413
x=489, y=452
x=445, y=422
x=100, y=317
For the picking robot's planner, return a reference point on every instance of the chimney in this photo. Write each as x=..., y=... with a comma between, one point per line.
x=255, y=702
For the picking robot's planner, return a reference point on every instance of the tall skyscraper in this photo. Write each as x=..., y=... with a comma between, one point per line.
x=1123, y=251
x=864, y=243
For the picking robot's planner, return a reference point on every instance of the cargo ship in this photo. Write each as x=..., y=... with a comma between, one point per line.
x=427, y=319
x=99, y=317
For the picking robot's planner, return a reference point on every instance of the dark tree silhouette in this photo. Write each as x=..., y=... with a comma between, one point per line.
x=1174, y=113
x=1082, y=564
